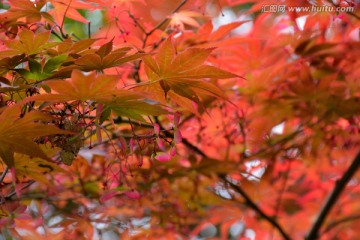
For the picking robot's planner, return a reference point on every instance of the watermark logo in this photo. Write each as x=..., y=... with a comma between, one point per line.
x=343, y=6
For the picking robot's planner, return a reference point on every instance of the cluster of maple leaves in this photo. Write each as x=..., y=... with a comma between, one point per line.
x=158, y=123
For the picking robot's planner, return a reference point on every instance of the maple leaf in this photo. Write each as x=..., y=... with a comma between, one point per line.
x=104, y=58
x=38, y=71
x=100, y=88
x=69, y=8
x=17, y=134
x=29, y=43
x=81, y=87
x=179, y=19
x=36, y=168
x=25, y=8
x=9, y=63
x=183, y=74
x=67, y=51
x=133, y=106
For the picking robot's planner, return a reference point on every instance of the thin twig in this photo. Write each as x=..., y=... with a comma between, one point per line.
x=159, y=25
x=340, y=221
x=248, y=201
x=283, y=187
x=57, y=35
x=282, y=190
x=4, y=174
x=136, y=75
x=333, y=197
x=252, y=205
x=24, y=187
x=137, y=23
x=67, y=8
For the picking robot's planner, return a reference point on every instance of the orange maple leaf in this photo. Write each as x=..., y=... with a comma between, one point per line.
x=183, y=74
x=17, y=134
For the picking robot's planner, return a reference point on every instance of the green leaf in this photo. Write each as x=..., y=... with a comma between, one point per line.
x=34, y=66
x=105, y=115
x=136, y=109
x=54, y=63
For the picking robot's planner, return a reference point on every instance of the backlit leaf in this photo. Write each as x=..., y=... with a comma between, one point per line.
x=179, y=73
x=30, y=43
x=100, y=88
x=18, y=133
x=96, y=61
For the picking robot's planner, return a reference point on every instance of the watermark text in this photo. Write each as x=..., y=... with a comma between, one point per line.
x=283, y=8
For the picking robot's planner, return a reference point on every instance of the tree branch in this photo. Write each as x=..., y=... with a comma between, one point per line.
x=340, y=221
x=13, y=193
x=333, y=197
x=165, y=19
x=159, y=25
x=252, y=205
x=248, y=201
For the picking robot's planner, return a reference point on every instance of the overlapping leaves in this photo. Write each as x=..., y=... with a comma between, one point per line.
x=102, y=89
x=184, y=74
x=105, y=57
x=36, y=168
x=28, y=9
x=17, y=134
x=28, y=43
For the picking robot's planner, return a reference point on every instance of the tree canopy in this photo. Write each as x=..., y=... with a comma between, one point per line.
x=183, y=119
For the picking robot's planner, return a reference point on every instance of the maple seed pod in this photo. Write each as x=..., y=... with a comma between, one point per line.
x=161, y=144
x=177, y=136
x=70, y=144
x=173, y=151
x=177, y=118
x=67, y=157
x=156, y=129
x=163, y=157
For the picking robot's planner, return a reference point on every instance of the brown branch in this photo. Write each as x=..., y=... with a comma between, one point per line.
x=137, y=23
x=159, y=25
x=252, y=205
x=333, y=197
x=10, y=195
x=340, y=221
x=248, y=201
